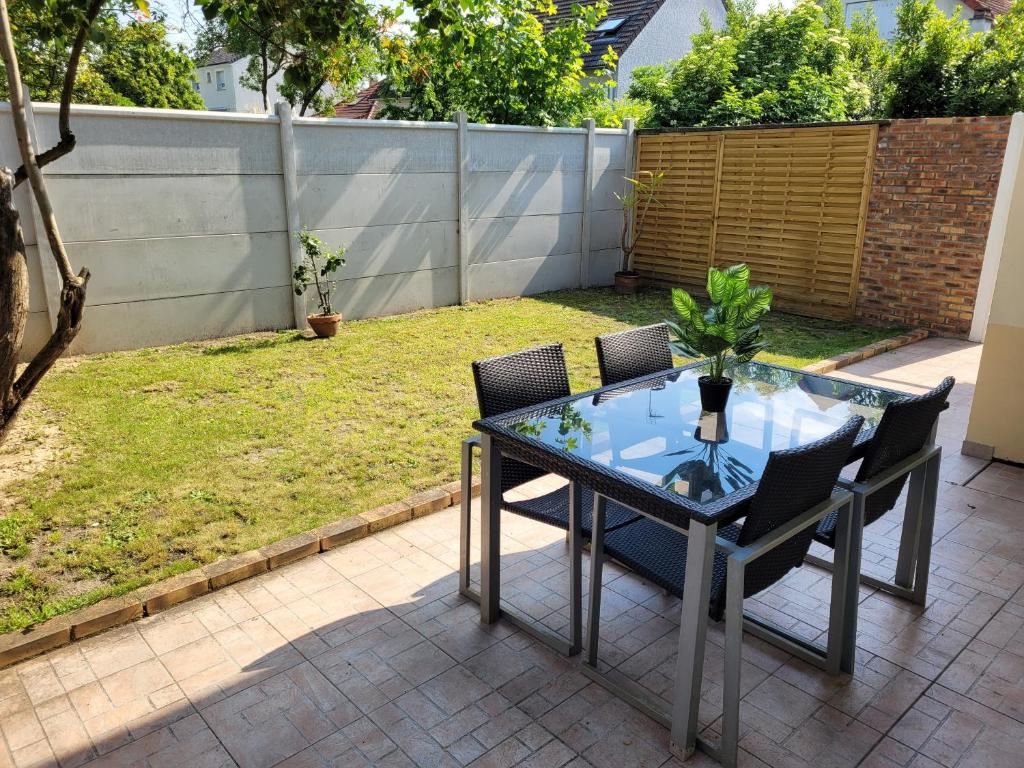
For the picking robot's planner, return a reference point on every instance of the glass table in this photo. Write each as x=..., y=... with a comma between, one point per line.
x=648, y=445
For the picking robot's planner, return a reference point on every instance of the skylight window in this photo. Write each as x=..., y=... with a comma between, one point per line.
x=608, y=27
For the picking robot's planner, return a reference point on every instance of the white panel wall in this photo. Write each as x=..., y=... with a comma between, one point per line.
x=181, y=217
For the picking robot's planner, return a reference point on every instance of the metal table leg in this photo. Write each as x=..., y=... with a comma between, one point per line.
x=926, y=528
x=693, y=628
x=490, y=530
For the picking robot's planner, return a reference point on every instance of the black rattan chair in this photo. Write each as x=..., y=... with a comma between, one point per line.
x=507, y=383
x=902, y=443
x=629, y=354
x=795, y=492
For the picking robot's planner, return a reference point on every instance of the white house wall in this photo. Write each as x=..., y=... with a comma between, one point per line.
x=181, y=217
x=885, y=14
x=666, y=37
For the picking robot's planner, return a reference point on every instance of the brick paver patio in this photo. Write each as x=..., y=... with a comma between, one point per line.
x=366, y=655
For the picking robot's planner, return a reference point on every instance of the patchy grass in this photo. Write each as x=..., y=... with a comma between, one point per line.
x=185, y=454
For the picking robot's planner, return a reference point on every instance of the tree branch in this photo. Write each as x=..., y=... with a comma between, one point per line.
x=12, y=259
x=67, y=138
x=28, y=157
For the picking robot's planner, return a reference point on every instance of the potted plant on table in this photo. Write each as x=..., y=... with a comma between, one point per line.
x=727, y=332
x=317, y=268
x=635, y=204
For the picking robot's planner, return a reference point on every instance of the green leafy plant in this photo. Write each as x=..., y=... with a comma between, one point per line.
x=319, y=263
x=643, y=193
x=729, y=325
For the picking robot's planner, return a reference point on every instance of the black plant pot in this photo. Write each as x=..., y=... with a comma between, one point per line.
x=714, y=394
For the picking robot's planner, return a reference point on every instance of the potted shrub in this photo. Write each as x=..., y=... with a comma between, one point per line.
x=317, y=267
x=635, y=204
x=727, y=332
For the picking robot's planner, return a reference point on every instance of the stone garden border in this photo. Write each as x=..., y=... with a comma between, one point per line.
x=157, y=597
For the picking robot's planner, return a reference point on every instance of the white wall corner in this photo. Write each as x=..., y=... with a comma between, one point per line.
x=997, y=229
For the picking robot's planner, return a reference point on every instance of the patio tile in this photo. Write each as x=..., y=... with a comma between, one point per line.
x=279, y=717
x=366, y=655
x=188, y=743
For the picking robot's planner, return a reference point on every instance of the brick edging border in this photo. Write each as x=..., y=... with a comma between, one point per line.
x=154, y=598
x=885, y=345
x=157, y=597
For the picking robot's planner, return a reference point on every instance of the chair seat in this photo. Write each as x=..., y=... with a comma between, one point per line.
x=553, y=509
x=658, y=554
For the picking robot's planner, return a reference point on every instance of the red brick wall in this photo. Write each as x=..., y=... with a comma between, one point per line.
x=931, y=203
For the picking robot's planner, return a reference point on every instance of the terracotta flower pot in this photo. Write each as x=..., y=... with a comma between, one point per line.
x=627, y=282
x=324, y=326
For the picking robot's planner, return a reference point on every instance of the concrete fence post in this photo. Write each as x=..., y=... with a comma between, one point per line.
x=588, y=191
x=293, y=218
x=47, y=266
x=462, y=172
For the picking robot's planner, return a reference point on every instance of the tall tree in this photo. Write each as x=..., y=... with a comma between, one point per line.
x=138, y=63
x=941, y=68
x=781, y=66
x=73, y=23
x=130, y=64
x=494, y=60
x=320, y=43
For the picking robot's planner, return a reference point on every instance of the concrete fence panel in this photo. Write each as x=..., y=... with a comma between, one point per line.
x=189, y=220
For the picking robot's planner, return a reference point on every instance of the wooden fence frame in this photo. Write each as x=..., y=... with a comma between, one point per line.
x=857, y=161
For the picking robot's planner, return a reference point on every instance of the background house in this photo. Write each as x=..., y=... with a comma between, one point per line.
x=980, y=13
x=643, y=32
x=364, y=106
x=218, y=82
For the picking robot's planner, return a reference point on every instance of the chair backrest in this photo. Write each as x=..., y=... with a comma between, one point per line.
x=904, y=430
x=794, y=480
x=628, y=354
x=519, y=380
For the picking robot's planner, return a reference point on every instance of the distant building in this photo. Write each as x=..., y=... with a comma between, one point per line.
x=218, y=82
x=980, y=13
x=642, y=32
x=364, y=106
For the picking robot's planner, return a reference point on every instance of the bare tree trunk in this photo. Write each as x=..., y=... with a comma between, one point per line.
x=13, y=295
x=15, y=390
x=266, y=77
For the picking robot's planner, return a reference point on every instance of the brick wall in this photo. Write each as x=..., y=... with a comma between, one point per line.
x=931, y=203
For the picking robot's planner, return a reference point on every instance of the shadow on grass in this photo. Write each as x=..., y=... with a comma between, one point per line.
x=255, y=344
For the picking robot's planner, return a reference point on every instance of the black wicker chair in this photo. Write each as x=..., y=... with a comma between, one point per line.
x=505, y=384
x=901, y=447
x=796, y=491
x=629, y=354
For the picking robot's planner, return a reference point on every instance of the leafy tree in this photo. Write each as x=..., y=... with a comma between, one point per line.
x=940, y=68
x=871, y=58
x=927, y=54
x=131, y=65
x=991, y=80
x=777, y=67
x=138, y=64
x=494, y=60
x=316, y=43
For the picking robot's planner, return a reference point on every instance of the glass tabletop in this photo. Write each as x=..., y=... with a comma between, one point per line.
x=655, y=431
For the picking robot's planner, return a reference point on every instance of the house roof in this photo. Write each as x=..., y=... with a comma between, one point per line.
x=635, y=15
x=988, y=7
x=220, y=56
x=363, y=107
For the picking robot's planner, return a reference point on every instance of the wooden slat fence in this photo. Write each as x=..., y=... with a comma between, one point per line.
x=790, y=202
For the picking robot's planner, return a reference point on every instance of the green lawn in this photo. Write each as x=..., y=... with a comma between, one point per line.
x=177, y=456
